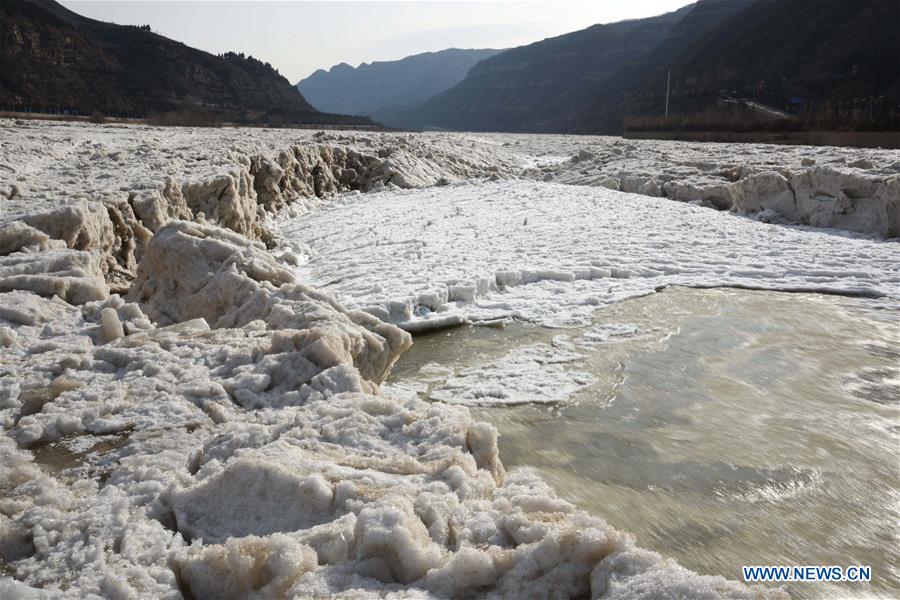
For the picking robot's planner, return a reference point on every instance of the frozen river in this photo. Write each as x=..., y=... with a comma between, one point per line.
x=196, y=327
x=721, y=427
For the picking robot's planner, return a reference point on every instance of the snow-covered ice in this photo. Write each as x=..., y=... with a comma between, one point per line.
x=187, y=413
x=45, y=166
x=551, y=253
x=848, y=188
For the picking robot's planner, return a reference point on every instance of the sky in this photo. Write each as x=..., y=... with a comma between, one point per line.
x=299, y=37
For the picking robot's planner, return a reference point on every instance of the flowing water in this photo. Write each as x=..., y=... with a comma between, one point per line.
x=721, y=427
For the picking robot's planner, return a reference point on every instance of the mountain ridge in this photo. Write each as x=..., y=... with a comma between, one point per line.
x=785, y=53
x=831, y=63
x=509, y=91
x=55, y=60
x=376, y=86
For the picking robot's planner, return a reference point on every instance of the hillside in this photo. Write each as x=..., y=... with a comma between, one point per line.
x=819, y=60
x=831, y=63
x=374, y=87
x=592, y=106
x=54, y=60
x=512, y=90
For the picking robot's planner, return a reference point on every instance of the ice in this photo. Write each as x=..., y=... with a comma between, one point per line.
x=151, y=174
x=537, y=374
x=179, y=170
x=10, y=588
x=312, y=496
x=16, y=235
x=108, y=189
x=110, y=325
x=195, y=271
x=187, y=415
x=253, y=497
x=607, y=333
x=848, y=188
x=246, y=567
x=551, y=254
x=352, y=491
x=638, y=573
x=68, y=274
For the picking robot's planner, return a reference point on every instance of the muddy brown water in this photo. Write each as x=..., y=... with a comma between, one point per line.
x=732, y=428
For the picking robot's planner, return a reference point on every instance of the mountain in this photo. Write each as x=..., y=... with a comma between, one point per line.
x=52, y=59
x=777, y=49
x=374, y=87
x=599, y=106
x=836, y=58
x=512, y=90
x=798, y=55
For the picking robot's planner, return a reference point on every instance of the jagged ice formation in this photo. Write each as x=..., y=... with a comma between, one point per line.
x=183, y=417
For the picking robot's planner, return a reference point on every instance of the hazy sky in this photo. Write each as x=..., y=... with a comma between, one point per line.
x=300, y=37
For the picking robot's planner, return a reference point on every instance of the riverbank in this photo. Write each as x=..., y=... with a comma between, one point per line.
x=850, y=139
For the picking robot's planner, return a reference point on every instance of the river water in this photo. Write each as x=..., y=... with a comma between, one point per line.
x=721, y=427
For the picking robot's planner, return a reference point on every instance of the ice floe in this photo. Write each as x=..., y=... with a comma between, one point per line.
x=551, y=254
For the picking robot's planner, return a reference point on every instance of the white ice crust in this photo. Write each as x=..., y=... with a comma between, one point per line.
x=551, y=253
x=186, y=415
x=846, y=188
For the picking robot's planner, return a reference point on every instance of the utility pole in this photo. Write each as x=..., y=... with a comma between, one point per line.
x=668, y=82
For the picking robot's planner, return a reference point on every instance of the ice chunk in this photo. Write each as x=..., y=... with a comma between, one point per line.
x=110, y=325
x=250, y=567
x=251, y=497
x=71, y=275
x=15, y=235
x=395, y=543
x=198, y=271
